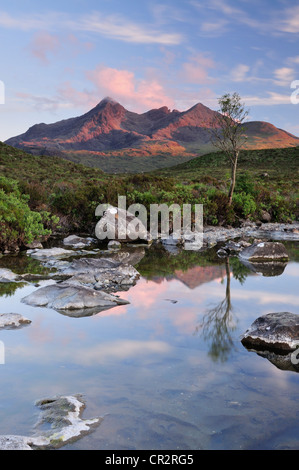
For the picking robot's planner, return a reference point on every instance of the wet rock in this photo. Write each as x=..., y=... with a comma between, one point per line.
x=13, y=320
x=34, y=245
x=63, y=414
x=89, y=265
x=273, y=332
x=66, y=296
x=107, y=278
x=78, y=242
x=60, y=423
x=45, y=254
x=6, y=275
x=264, y=251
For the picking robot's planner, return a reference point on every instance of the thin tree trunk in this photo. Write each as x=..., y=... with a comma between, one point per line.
x=233, y=178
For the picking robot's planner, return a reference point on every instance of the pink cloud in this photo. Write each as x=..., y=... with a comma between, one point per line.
x=43, y=44
x=196, y=70
x=123, y=86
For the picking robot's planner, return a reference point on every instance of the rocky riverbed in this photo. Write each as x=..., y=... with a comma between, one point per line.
x=85, y=278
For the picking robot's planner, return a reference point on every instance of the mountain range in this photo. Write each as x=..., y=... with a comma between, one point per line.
x=161, y=136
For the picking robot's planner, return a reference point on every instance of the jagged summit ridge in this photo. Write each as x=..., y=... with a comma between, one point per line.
x=109, y=127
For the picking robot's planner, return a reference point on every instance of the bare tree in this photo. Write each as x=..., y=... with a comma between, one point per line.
x=228, y=133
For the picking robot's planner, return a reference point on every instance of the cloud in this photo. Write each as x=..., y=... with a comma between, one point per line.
x=284, y=76
x=274, y=21
x=290, y=20
x=123, y=86
x=42, y=45
x=42, y=103
x=239, y=73
x=196, y=70
x=111, y=26
x=271, y=100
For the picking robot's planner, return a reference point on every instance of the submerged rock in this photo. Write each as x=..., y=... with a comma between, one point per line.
x=61, y=417
x=264, y=251
x=13, y=320
x=22, y=442
x=63, y=413
x=273, y=332
x=66, y=296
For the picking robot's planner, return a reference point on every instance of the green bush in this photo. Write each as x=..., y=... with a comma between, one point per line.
x=18, y=224
x=244, y=204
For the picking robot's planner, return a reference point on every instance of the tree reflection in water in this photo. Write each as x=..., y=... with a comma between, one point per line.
x=218, y=324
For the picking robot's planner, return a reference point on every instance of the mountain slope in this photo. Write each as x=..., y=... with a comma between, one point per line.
x=111, y=131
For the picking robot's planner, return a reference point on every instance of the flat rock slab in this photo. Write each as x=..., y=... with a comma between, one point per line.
x=273, y=332
x=64, y=296
x=60, y=423
x=264, y=251
x=13, y=320
x=44, y=254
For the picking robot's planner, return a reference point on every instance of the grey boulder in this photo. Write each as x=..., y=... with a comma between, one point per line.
x=273, y=332
x=264, y=251
x=64, y=296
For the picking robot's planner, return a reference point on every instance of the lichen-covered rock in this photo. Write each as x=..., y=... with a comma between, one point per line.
x=60, y=423
x=273, y=332
x=13, y=320
x=66, y=296
x=264, y=251
x=63, y=414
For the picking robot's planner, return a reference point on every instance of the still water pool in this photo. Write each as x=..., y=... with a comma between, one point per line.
x=168, y=370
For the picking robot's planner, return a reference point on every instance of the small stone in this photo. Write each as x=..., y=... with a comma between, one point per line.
x=13, y=320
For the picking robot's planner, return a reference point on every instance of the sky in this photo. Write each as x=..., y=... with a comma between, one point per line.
x=61, y=58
